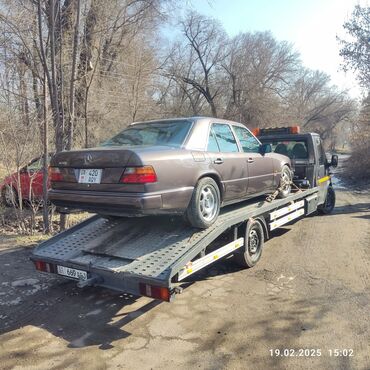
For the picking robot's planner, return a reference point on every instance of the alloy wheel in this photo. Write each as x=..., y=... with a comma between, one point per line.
x=208, y=202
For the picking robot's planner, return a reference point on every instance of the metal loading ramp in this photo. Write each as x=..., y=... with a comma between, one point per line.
x=153, y=248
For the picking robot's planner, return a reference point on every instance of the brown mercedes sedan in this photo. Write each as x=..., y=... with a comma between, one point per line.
x=191, y=166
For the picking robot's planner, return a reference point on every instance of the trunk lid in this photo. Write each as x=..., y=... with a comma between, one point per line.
x=112, y=162
x=93, y=158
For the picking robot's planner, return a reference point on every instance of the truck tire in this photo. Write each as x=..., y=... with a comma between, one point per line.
x=204, y=205
x=329, y=203
x=251, y=252
x=286, y=175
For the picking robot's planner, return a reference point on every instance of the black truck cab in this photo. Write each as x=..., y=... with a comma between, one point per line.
x=306, y=152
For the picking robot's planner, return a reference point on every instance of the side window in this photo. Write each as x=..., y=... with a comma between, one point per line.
x=35, y=165
x=225, y=138
x=248, y=142
x=212, y=142
x=321, y=152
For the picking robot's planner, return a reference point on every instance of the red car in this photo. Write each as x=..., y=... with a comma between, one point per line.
x=31, y=178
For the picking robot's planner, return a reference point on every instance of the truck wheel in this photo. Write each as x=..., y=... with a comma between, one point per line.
x=204, y=205
x=251, y=253
x=9, y=196
x=286, y=177
x=329, y=204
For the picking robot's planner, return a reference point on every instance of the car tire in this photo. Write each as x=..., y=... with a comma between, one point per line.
x=329, y=203
x=9, y=196
x=251, y=252
x=204, y=205
x=286, y=174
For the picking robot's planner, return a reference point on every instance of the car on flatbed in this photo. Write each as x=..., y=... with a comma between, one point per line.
x=191, y=166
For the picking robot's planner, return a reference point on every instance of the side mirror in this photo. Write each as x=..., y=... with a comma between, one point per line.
x=334, y=161
x=265, y=148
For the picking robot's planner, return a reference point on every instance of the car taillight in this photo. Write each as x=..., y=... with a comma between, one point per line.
x=55, y=174
x=138, y=175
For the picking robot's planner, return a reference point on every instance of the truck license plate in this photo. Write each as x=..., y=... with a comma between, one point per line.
x=89, y=176
x=72, y=273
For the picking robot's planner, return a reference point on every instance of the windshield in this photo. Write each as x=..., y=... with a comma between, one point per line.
x=294, y=149
x=168, y=133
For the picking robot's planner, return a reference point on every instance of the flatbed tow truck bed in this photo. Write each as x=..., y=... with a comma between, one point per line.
x=151, y=255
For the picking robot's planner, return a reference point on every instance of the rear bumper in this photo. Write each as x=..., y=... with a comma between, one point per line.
x=174, y=201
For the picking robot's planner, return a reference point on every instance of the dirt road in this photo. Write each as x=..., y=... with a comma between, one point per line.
x=311, y=290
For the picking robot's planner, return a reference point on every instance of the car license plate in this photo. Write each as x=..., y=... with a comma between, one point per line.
x=72, y=273
x=89, y=176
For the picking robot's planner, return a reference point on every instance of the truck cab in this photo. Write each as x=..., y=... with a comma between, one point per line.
x=310, y=164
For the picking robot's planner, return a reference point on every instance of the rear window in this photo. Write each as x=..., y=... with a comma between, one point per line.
x=168, y=133
x=294, y=149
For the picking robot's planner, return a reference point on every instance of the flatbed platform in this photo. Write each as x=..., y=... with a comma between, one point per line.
x=118, y=253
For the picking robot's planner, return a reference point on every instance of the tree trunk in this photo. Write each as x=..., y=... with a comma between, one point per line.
x=45, y=209
x=72, y=97
x=59, y=129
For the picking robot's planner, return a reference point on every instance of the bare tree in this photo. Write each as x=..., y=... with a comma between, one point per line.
x=355, y=51
x=317, y=105
x=259, y=69
x=72, y=96
x=197, y=61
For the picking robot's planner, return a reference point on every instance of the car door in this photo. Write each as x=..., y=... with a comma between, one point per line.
x=31, y=179
x=321, y=158
x=227, y=161
x=260, y=167
x=25, y=182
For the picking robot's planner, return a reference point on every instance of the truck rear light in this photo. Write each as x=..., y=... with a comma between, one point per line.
x=138, y=175
x=157, y=292
x=55, y=174
x=44, y=266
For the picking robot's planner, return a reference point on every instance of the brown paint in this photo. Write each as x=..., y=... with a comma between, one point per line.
x=178, y=170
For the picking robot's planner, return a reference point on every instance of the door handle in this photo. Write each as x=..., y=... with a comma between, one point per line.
x=250, y=160
x=218, y=161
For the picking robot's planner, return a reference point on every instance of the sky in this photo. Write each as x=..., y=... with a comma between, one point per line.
x=311, y=25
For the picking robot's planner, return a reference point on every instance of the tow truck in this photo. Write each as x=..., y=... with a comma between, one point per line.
x=153, y=256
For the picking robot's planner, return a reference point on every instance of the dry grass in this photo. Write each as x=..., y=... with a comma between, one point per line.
x=14, y=222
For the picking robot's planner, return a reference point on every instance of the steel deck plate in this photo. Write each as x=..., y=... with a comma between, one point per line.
x=154, y=247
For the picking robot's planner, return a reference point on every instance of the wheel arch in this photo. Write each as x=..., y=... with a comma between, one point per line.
x=217, y=179
x=10, y=185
